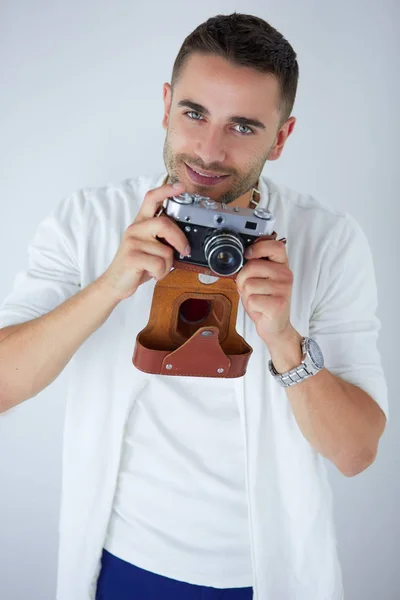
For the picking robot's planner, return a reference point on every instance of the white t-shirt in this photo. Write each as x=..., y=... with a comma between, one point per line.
x=181, y=507
x=290, y=507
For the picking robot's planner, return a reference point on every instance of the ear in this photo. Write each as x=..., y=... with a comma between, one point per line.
x=281, y=138
x=167, y=97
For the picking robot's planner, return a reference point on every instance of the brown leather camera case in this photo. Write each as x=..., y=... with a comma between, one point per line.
x=169, y=345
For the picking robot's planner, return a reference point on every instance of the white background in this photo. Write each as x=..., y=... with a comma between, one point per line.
x=81, y=104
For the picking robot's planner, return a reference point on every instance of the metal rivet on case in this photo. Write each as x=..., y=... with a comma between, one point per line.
x=169, y=367
x=206, y=333
x=220, y=370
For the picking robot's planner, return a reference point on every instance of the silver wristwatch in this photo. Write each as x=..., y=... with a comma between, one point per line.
x=312, y=362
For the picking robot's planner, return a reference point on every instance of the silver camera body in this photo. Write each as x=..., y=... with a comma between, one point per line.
x=218, y=234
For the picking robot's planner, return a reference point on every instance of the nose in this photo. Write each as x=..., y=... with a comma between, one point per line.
x=210, y=146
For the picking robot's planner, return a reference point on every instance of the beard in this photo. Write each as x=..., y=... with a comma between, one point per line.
x=240, y=183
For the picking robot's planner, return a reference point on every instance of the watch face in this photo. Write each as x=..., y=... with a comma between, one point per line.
x=315, y=353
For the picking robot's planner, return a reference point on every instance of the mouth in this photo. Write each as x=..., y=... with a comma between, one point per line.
x=204, y=179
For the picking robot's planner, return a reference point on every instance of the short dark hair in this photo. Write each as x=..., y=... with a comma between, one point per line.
x=245, y=40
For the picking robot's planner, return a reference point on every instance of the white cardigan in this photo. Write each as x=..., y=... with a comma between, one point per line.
x=294, y=549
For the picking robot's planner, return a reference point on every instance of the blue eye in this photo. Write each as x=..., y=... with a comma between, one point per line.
x=193, y=112
x=249, y=130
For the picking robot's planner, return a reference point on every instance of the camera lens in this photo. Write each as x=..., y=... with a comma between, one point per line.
x=224, y=253
x=225, y=258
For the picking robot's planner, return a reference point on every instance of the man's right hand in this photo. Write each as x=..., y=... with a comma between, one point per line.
x=141, y=255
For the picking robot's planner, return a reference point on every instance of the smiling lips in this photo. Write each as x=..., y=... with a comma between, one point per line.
x=204, y=179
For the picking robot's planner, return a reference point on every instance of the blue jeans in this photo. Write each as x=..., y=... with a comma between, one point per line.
x=119, y=580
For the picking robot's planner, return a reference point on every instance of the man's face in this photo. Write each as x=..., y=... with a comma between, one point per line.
x=222, y=119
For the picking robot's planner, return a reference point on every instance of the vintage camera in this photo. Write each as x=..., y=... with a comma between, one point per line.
x=217, y=233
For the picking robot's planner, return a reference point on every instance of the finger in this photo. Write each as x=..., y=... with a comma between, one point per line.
x=270, y=306
x=264, y=287
x=155, y=248
x=155, y=266
x=154, y=199
x=263, y=269
x=274, y=250
x=162, y=227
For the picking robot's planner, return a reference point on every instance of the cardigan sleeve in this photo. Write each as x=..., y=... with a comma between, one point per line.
x=344, y=312
x=52, y=274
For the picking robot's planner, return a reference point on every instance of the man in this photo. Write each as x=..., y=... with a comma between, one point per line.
x=187, y=487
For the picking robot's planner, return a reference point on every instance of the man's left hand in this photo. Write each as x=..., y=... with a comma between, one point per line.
x=265, y=287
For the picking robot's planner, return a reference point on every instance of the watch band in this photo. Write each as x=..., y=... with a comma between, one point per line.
x=290, y=377
x=307, y=368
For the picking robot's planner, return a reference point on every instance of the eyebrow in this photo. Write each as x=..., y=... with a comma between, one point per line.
x=235, y=119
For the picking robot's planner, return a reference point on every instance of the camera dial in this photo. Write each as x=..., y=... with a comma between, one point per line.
x=209, y=204
x=184, y=198
x=262, y=213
